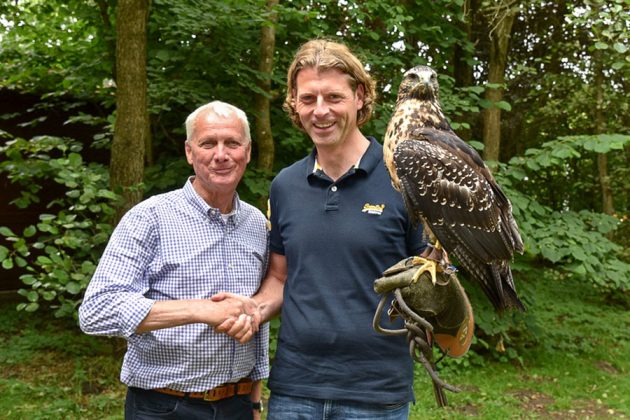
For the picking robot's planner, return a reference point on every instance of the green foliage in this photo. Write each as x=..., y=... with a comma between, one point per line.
x=609, y=32
x=576, y=241
x=553, y=89
x=65, y=58
x=59, y=252
x=190, y=63
x=254, y=187
x=568, y=243
x=576, y=355
x=274, y=329
x=166, y=175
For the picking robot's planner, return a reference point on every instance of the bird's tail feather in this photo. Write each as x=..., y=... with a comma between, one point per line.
x=495, y=281
x=507, y=297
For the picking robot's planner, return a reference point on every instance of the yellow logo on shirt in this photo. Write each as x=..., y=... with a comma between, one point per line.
x=373, y=208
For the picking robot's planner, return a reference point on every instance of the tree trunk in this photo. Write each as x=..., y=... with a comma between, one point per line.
x=263, y=135
x=499, y=42
x=463, y=71
x=600, y=127
x=131, y=131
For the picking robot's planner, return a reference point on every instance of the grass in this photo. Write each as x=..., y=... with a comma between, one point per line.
x=50, y=370
x=578, y=368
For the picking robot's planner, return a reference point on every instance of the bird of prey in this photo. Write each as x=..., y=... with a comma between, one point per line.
x=447, y=187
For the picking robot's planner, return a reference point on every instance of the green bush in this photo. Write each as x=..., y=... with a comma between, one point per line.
x=573, y=240
x=59, y=253
x=566, y=244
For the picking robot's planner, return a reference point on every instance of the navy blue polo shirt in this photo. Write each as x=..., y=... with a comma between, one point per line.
x=338, y=237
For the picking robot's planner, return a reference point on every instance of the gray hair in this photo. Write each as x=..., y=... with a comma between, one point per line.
x=219, y=109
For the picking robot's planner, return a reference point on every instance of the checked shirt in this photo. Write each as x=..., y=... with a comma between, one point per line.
x=174, y=246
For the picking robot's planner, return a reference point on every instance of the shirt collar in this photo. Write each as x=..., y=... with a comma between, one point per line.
x=200, y=204
x=317, y=167
x=370, y=159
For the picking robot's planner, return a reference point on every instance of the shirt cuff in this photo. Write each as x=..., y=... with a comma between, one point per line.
x=132, y=313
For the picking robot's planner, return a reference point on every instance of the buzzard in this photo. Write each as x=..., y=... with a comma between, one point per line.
x=446, y=186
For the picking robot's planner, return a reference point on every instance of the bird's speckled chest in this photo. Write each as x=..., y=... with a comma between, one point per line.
x=408, y=117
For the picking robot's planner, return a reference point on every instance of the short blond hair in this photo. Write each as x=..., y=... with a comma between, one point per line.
x=323, y=54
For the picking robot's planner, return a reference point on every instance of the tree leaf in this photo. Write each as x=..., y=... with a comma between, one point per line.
x=31, y=307
x=477, y=145
x=7, y=263
x=75, y=159
x=20, y=262
x=4, y=251
x=5, y=231
x=73, y=287
x=503, y=105
x=29, y=231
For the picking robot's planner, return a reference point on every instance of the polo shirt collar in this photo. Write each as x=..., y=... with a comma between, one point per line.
x=370, y=159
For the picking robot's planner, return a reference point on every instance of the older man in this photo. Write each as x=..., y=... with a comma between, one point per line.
x=165, y=259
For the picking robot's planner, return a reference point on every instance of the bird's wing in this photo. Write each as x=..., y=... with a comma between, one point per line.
x=446, y=184
x=445, y=190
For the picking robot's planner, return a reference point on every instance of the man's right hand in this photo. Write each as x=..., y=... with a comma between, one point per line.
x=241, y=311
x=241, y=326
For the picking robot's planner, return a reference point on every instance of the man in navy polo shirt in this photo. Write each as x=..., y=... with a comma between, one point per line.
x=336, y=225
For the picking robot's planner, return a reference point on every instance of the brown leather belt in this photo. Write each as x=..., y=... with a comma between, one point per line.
x=242, y=387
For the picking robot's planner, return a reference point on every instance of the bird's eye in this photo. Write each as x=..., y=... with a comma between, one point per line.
x=412, y=76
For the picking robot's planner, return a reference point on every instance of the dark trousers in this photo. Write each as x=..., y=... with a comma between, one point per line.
x=142, y=404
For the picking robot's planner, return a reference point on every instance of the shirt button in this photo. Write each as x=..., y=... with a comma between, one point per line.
x=334, y=188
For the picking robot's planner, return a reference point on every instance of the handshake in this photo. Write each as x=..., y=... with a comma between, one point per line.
x=236, y=315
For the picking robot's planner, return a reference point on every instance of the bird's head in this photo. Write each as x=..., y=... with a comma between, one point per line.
x=419, y=82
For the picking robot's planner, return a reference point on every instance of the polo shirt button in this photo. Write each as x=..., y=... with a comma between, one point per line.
x=334, y=188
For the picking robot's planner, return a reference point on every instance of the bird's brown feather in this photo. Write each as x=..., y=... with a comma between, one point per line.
x=447, y=186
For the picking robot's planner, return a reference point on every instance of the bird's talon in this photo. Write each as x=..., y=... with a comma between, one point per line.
x=426, y=265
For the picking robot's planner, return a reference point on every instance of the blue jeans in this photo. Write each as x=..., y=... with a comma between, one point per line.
x=283, y=407
x=142, y=404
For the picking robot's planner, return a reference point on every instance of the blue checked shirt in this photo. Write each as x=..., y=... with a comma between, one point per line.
x=175, y=246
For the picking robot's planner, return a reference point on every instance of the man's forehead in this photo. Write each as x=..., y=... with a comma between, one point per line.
x=216, y=126
x=216, y=121
x=340, y=79
x=212, y=116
